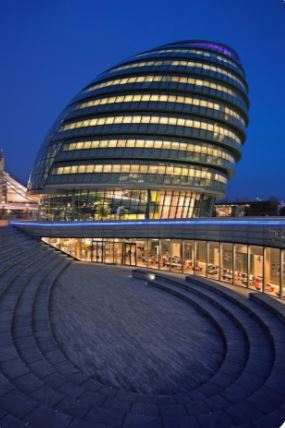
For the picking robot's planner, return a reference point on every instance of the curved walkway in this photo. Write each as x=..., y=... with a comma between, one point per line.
x=75, y=353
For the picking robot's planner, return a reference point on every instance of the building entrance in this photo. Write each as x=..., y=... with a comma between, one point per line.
x=129, y=254
x=97, y=251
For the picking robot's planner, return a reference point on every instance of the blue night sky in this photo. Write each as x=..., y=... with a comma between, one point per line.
x=51, y=49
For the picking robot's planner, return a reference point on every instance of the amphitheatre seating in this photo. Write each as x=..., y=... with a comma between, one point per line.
x=40, y=387
x=255, y=396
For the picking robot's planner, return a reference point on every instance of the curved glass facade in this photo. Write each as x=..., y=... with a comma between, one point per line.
x=156, y=136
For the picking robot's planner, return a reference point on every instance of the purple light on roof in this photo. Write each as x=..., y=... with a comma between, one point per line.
x=219, y=48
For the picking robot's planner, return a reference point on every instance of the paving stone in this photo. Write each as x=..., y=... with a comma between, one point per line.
x=42, y=417
x=54, y=380
x=5, y=385
x=204, y=391
x=10, y=421
x=277, y=382
x=29, y=382
x=42, y=368
x=250, y=381
x=55, y=356
x=217, y=419
x=266, y=400
x=146, y=398
x=108, y=391
x=31, y=355
x=92, y=385
x=197, y=407
x=175, y=410
x=78, y=378
x=183, y=421
x=73, y=407
x=115, y=404
x=8, y=352
x=243, y=412
x=217, y=402
x=71, y=389
x=109, y=418
x=235, y=393
x=147, y=409
x=14, y=368
x=47, y=346
x=79, y=423
x=93, y=398
x=272, y=420
x=47, y=396
x=65, y=368
x=17, y=404
x=142, y=421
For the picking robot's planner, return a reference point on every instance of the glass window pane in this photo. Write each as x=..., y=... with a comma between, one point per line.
x=176, y=256
x=213, y=267
x=241, y=265
x=201, y=258
x=256, y=268
x=188, y=256
x=272, y=271
x=227, y=262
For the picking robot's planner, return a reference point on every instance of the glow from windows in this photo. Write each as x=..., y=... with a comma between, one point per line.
x=149, y=144
x=218, y=131
x=180, y=63
x=160, y=98
x=199, y=173
x=196, y=52
x=165, y=78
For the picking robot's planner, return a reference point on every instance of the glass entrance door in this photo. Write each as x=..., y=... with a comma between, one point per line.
x=97, y=253
x=129, y=254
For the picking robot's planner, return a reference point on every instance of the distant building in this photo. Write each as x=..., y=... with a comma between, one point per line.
x=270, y=207
x=13, y=199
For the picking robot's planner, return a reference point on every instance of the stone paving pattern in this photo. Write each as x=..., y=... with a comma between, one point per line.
x=48, y=378
x=131, y=336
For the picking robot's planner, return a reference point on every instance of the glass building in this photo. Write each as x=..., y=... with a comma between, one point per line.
x=155, y=137
x=259, y=268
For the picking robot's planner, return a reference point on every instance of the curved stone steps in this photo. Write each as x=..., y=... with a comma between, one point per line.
x=15, y=403
x=255, y=402
x=272, y=314
x=13, y=400
x=234, y=345
x=36, y=390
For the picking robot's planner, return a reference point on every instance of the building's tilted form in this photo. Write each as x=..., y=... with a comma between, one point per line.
x=155, y=137
x=146, y=147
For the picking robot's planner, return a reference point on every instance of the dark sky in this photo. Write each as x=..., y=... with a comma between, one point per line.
x=51, y=49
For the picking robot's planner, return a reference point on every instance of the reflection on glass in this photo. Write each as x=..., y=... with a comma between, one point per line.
x=201, y=258
x=272, y=271
x=213, y=267
x=176, y=256
x=188, y=255
x=118, y=252
x=256, y=268
x=108, y=251
x=165, y=254
x=227, y=262
x=241, y=265
x=142, y=253
x=153, y=259
x=237, y=264
x=97, y=253
x=129, y=253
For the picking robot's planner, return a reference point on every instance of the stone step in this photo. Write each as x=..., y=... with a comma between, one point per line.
x=253, y=394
